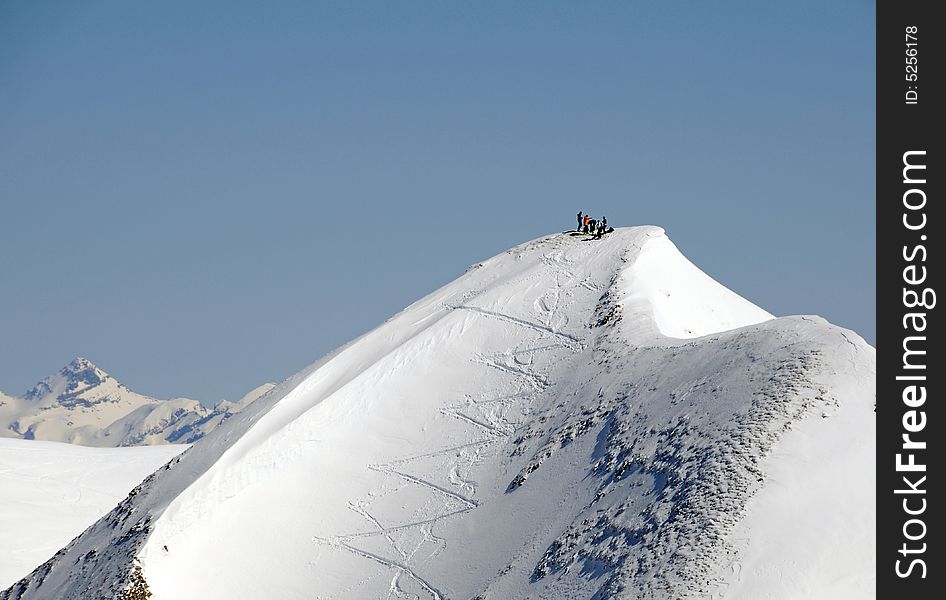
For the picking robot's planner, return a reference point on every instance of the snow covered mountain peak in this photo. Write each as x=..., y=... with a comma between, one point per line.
x=84, y=369
x=83, y=404
x=572, y=418
x=81, y=366
x=72, y=384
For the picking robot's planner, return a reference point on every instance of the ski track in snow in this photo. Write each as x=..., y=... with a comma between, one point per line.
x=492, y=433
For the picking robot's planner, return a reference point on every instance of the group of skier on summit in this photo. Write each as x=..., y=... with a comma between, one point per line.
x=593, y=226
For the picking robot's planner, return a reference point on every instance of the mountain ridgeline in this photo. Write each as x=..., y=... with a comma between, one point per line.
x=572, y=418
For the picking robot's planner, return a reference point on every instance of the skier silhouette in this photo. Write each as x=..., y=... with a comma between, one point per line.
x=579, y=221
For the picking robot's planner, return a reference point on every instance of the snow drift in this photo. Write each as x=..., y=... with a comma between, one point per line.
x=569, y=419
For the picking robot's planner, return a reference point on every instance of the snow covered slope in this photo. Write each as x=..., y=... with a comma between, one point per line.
x=10, y=408
x=83, y=404
x=569, y=419
x=50, y=492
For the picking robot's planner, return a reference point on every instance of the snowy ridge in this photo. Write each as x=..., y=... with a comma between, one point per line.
x=526, y=431
x=82, y=404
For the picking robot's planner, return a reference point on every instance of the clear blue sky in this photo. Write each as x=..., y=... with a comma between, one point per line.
x=204, y=196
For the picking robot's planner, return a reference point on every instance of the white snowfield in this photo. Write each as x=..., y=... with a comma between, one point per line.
x=572, y=418
x=50, y=492
x=82, y=404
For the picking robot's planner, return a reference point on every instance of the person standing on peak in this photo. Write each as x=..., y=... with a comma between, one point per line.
x=579, y=221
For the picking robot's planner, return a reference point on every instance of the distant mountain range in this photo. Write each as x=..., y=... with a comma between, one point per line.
x=82, y=404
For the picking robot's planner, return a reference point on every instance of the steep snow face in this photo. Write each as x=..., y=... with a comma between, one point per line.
x=538, y=428
x=50, y=492
x=82, y=404
x=681, y=300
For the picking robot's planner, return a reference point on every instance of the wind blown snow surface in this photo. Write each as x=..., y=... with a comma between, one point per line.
x=572, y=418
